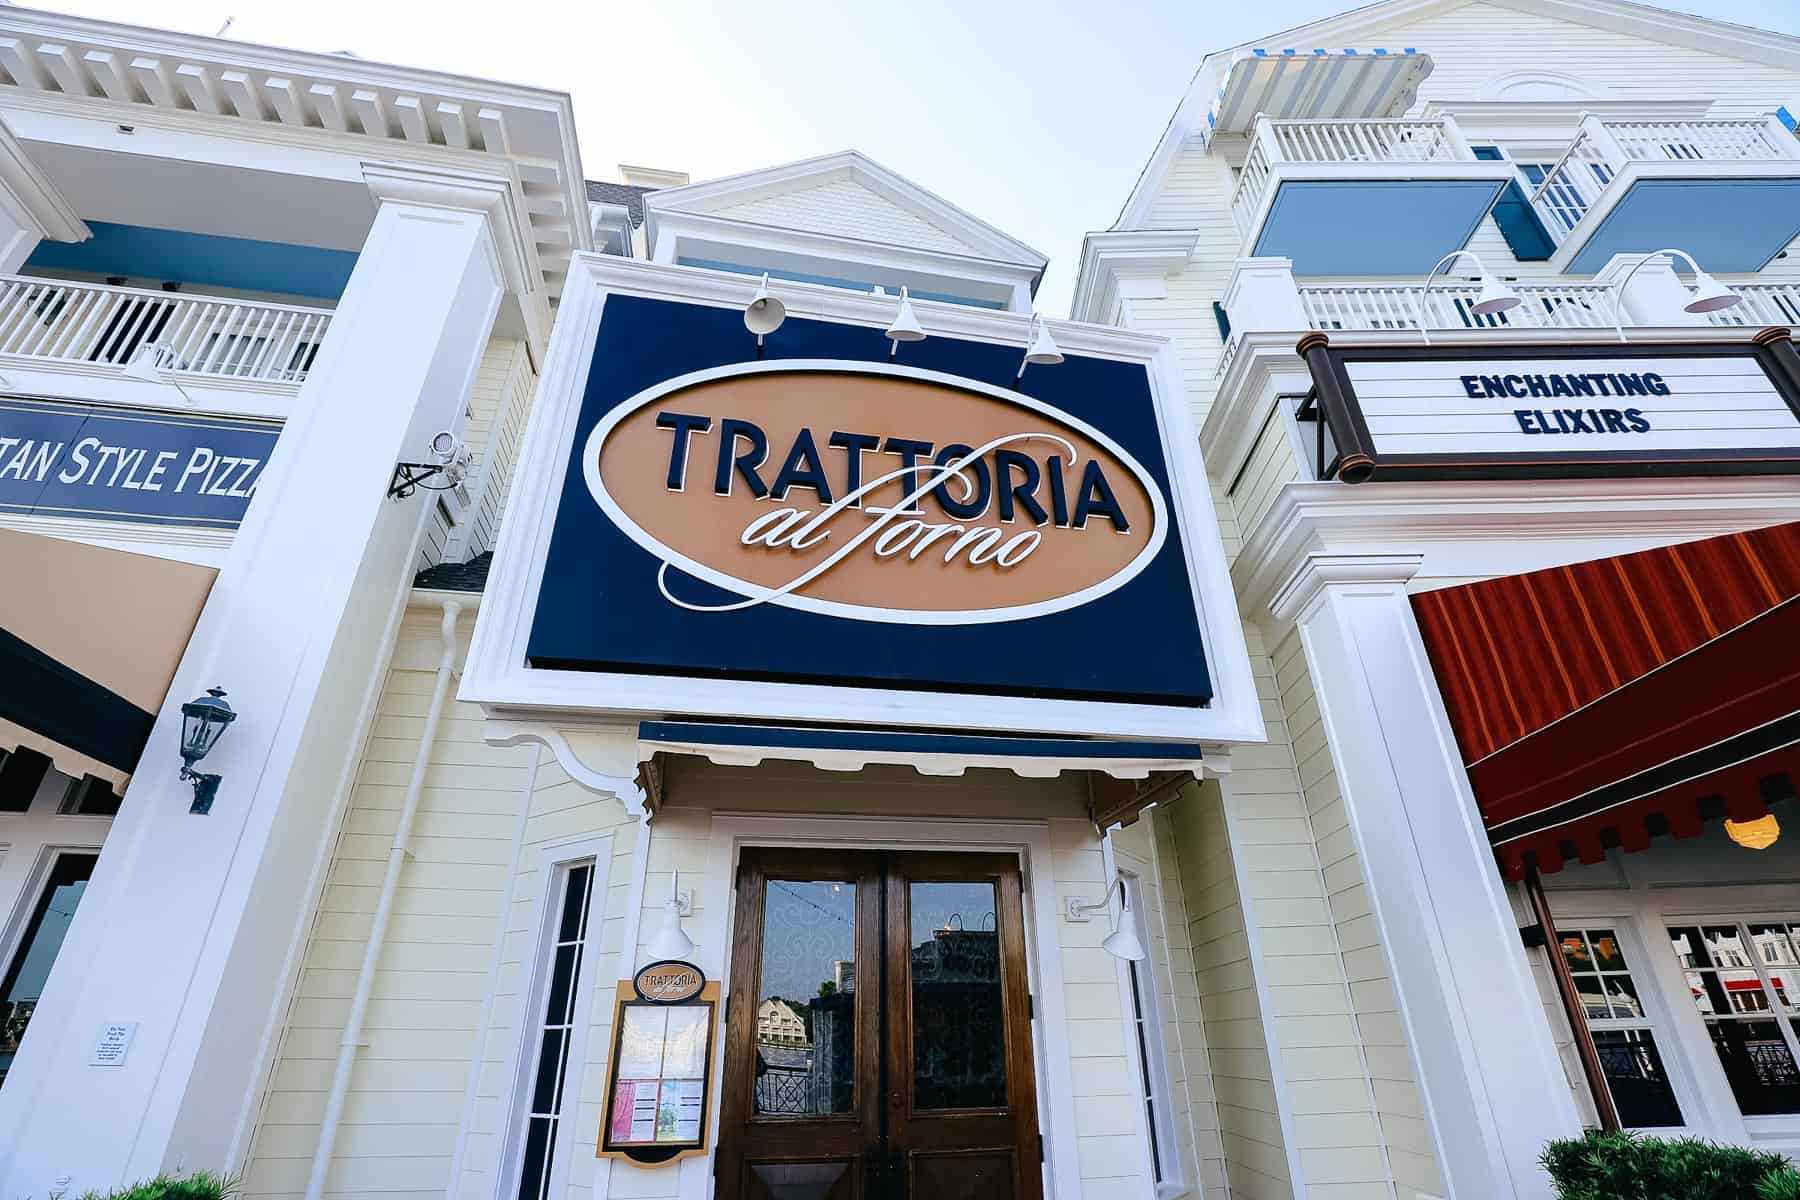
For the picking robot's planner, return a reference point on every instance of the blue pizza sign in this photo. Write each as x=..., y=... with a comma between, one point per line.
x=69, y=459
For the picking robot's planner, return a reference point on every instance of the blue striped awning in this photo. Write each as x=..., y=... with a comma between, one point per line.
x=1317, y=84
x=848, y=749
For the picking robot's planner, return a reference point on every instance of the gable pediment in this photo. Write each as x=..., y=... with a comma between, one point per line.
x=847, y=195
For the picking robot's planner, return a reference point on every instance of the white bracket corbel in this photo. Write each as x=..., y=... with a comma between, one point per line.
x=602, y=758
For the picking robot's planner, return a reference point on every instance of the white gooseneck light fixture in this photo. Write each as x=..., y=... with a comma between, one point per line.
x=671, y=941
x=1122, y=942
x=905, y=326
x=1042, y=349
x=1709, y=295
x=1494, y=297
x=765, y=313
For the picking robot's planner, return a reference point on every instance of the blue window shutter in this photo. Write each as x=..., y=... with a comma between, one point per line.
x=1224, y=320
x=1519, y=225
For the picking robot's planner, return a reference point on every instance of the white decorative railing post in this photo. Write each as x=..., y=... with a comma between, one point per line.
x=1453, y=137
x=1262, y=297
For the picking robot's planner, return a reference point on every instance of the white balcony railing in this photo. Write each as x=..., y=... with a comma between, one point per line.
x=1602, y=149
x=1451, y=306
x=1764, y=305
x=189, y=334
x=1396, y=140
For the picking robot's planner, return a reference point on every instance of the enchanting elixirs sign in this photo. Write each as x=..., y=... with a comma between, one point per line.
x=821, y=514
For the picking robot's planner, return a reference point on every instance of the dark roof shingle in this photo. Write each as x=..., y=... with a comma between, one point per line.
x=619, y=193
x=468, y=576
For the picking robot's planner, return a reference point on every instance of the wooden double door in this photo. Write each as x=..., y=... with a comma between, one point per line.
x=878, y=1042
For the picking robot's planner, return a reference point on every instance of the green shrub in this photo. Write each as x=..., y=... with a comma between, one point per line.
x=202, y=1185
x=1783, y=1183
x=1625, y=1166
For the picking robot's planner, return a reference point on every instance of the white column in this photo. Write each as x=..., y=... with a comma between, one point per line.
x=192, y=924
x=1262, y=297
x=1482, y=1047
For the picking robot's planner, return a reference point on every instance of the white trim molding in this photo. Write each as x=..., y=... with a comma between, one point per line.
x=1458, y=530
x=675, y=234
x=1113, y=261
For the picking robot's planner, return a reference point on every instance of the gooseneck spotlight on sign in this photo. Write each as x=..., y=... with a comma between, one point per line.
x=886, y=542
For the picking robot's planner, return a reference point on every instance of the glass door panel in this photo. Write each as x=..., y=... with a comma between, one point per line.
x=957, y=1008
x=805, y=1026
x=962, y=1108
x=797, y=1116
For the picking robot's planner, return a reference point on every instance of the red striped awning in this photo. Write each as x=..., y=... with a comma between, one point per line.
x=1608, y=702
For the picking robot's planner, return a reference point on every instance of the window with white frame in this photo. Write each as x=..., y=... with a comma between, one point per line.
x=539, y=1135
x=1740, y=976
x=1620, y=1027
x=1147, y=1029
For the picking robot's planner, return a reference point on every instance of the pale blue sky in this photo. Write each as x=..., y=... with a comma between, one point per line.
x=1036, y=118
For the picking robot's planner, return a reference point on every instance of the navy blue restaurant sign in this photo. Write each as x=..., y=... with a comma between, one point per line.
x=67, y=459
x=824, y=514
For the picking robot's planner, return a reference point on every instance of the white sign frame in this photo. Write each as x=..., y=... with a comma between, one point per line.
x=497, y=676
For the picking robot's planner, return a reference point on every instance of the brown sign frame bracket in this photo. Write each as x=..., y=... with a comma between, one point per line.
x=1358, y=461
x=656, y=1153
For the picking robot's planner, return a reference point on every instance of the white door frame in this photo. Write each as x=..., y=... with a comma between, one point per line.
x=1029, y=839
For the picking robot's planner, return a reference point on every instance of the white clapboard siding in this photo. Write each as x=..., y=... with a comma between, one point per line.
x=1251, y=1141
x=1270, y=466
x=465, y=521
x=498, y=406
x=845, y=208
x=1386, y=1057
x=457, y=896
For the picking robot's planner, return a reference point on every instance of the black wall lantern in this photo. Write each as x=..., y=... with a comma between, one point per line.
x=203, y=722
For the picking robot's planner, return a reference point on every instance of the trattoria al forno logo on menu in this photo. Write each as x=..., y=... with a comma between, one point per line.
x=871, y=491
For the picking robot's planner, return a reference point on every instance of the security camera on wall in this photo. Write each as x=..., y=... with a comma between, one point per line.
x=449, y=465
x=444, y=446
x=451, y=455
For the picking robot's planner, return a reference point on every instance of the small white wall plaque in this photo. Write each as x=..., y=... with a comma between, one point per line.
x=114, y=1040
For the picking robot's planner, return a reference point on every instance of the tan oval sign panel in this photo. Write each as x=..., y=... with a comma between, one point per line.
x=871, y=491
x=669, y=982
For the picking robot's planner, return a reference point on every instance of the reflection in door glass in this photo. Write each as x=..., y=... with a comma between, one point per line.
x=806, y=1002
x=24, y=979
x=958, y=1032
